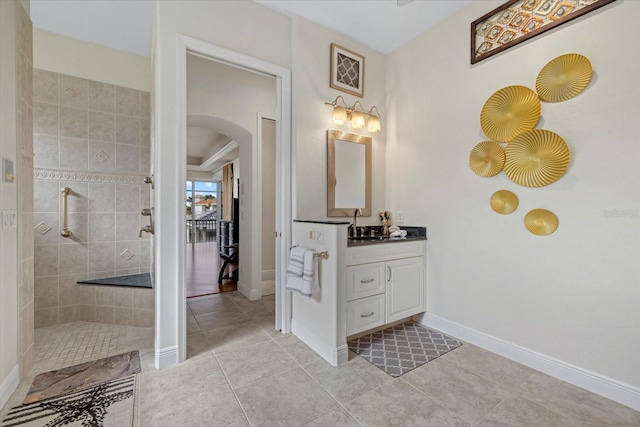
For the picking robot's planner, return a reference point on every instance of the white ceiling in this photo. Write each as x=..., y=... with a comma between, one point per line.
x=126, y=24
x=380, y=24
x=120, y=24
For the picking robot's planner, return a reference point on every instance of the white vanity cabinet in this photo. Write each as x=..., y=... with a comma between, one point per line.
x=385, y=283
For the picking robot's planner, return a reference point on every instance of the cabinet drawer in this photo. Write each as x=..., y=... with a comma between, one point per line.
x=365, y=313
x=365, y=280
x=384, y=252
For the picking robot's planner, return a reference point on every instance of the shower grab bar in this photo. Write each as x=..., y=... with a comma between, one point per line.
x=65, y=231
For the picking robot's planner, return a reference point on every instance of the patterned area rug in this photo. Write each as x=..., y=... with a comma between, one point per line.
x=109, y=404
x=402, y=348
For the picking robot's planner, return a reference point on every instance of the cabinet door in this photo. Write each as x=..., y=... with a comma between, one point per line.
x=405, y=288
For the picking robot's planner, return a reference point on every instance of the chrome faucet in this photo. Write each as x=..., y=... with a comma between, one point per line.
x=354, y=226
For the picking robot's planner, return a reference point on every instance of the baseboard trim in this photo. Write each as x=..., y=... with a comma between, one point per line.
x=341, y=354
x=8, y=385
x=268, y=275
x=610, y=388
x=334, y=355
x=166, y=357
x=250, y=294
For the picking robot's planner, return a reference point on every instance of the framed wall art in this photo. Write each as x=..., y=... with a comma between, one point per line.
x=519, y=20
x=347, y=70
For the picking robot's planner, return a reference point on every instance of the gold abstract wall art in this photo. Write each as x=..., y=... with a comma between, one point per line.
x=536, y=158
x=530, y=157
x=541, y=222
x=486, y=159
x=509, y=112
x=504, y=202
x=564, y=77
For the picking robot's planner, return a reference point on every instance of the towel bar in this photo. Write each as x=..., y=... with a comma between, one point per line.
x=323, y=255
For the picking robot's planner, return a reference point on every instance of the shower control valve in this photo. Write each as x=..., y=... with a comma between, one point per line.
x=146, y=229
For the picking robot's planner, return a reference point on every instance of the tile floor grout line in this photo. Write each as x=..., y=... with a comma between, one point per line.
x=331, y=396
x=480, y=374
x=567, y=416
x=422, y=393
x=509, y=392
x=494, y=406
x=226, y=378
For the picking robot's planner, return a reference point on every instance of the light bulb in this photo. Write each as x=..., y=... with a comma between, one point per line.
x=339, y=115
x=373, y=125
x=357, y=120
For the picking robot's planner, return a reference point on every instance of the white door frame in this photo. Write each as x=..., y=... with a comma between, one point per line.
x=283, y=171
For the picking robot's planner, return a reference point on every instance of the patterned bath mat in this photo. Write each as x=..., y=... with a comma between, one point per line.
x=109, y=404
x=402, y=348
x=83, y=376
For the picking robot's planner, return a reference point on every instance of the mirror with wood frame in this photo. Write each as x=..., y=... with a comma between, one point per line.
x=348, y=173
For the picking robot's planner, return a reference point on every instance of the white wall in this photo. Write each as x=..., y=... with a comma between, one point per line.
x=66, y=55
x=8, y=201
x=573, y=295
x=312, y=118
x=244, y=27
x=16, y=244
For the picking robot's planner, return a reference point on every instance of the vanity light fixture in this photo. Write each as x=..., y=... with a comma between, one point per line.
x=356, y=114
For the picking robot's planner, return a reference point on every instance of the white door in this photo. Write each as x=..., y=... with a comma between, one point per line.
x=405, y=293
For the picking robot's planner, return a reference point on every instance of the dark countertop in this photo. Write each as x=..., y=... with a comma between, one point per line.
x=323, y=222
x=380, y=240
x=413, y=234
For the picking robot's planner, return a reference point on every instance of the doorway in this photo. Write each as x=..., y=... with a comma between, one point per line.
x=249, y=183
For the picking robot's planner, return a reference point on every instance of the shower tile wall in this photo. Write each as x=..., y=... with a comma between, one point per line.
x=95, y=139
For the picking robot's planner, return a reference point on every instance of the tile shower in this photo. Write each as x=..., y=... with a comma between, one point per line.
x=93, y=138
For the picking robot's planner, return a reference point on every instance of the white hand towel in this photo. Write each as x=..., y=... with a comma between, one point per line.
x=302, y=274
x=399, y=233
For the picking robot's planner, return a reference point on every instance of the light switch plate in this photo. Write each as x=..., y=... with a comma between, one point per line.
x=7, y=171
x=400, y=217
x=9, y=220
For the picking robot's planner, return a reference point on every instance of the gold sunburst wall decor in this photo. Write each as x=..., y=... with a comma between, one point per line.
x=564, y=77
x=486, y=159
x=536, y=158
x=541, y=222
x=509, y=112
x=504, y=202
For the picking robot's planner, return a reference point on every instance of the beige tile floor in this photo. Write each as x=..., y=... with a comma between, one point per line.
x=241, y=372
